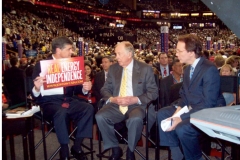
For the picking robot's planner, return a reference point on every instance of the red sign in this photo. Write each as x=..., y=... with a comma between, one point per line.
x=62, y=72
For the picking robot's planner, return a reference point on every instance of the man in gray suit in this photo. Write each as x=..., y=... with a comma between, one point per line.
x=140, y=88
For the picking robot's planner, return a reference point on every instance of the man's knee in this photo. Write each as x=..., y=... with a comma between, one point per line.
x=163, y=114
x=98, y=117
x=134, y=121
x=182, y=130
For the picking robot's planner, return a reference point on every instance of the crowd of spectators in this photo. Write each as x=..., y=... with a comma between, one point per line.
x=172, y=5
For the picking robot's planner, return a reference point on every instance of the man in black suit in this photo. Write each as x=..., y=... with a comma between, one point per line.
x=167, y=82
x=14, y=82
x=60, y=105
x=200, y=90
x=129, y=87
x=162, y=66
x=101, y=77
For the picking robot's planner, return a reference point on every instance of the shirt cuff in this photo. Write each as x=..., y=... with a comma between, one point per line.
x=84, y=92
x=139, y=102
x=35, y=93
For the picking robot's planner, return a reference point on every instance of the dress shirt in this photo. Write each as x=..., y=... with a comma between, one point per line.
x=162, y=70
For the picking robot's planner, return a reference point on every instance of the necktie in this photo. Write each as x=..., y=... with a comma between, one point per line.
x=191, y=72
x=164, y=72
x=123, y=90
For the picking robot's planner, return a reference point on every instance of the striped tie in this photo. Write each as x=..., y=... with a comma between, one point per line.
x=123, y=90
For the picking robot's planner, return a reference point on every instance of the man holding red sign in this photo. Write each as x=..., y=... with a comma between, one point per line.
x=60, y=105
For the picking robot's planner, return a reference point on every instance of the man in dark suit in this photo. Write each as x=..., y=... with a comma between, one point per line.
x=167, y=82
x=137, y=80
x=60, y=105
x=162, y=66
x=14, y=82
x=200, y=89
x=101, y=77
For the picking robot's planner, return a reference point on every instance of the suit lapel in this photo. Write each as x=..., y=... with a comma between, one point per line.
x=135, y=77
x=102, y=78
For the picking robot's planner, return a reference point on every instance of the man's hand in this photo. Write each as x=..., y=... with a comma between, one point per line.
x=38, y=82
x=124, y=101
x=174, y=122
x=87, y=86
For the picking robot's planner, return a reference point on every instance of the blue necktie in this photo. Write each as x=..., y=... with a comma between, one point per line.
x=191, y=72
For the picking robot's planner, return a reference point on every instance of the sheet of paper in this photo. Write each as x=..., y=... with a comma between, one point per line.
x=165, y=124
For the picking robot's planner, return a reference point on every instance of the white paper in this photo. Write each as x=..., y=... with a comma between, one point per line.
x=165, y=124
x=28, y=113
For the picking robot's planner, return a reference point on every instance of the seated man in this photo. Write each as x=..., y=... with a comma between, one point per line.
x=200, y=90
x=13, y=80
x=166, y=83
x=62, y=106
x=130, y=85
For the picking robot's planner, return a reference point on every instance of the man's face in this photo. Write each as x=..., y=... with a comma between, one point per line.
x=163, y=59
x=183, y=55
x=67, y=51
x=123, y=56
x=178, y=68
x=106, y=64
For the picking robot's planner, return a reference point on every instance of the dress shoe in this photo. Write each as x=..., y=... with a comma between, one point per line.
x=64, y=154
x=130, y=155
x=78, y=155
x=116, y=153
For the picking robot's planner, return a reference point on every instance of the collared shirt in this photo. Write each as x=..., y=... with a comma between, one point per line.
x=162, y=70
x=195, y=63
x=105, y=75
x=129, y=79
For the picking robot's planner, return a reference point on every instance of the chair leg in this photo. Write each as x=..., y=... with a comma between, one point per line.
x=44, y=139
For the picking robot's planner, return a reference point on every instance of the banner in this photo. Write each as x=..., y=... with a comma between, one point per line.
x=208, y=43
x=62, y=72
x=4, y=51
x=80, y=46
x=164, y=38
x=219, y=45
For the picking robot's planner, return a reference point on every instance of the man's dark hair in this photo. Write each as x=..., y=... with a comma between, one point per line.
x=60, y=42
x=175, y=61
x=108, y=57
x=161, y=53
x=192, y=43
x=13, y=61
x=206, y=54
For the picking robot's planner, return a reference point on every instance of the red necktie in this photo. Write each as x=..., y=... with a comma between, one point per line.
x=165, y=72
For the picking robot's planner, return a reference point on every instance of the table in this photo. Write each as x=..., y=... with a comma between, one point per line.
x=18, y=126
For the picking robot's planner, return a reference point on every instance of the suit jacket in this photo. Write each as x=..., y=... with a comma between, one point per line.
x=165, y=85
x=98, y=84
x=69, y=91
x=143, y=83
x=174, y=92
x=203, y=90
